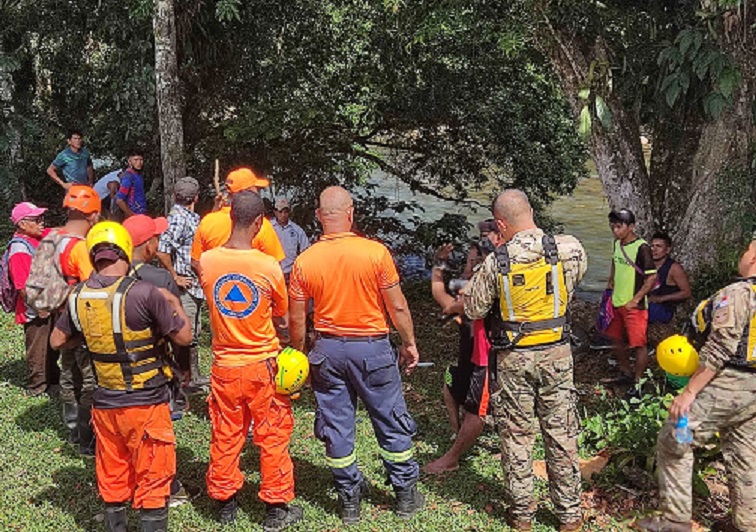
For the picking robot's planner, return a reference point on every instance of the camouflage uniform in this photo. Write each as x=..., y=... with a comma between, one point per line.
x=726, y=405
x=534, y=381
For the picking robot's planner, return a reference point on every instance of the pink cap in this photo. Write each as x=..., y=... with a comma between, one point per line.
x=25, y=210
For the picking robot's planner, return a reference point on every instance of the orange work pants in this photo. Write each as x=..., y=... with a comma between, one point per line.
x=239, y=395
x=135, y=455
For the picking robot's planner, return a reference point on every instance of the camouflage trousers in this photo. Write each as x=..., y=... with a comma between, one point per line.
x=726, y=405
x=529, y=384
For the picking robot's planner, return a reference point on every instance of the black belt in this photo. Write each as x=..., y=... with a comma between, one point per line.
x=328, y=336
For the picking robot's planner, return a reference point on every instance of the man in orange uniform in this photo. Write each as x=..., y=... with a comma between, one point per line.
x=215, y=228
x=245, y=288
x=124, y=322
x=351, y=279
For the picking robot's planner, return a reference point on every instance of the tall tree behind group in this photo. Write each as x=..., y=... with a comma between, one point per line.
x=170, y=108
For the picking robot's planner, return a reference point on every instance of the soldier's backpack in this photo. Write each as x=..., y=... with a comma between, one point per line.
x=47, y=288
x=8, y=292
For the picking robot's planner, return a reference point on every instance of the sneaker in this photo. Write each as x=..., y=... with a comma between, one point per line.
x=279, y=516
x=228, y=509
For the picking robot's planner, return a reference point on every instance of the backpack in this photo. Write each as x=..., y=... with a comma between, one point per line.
x=8, y=291
x=47, y=288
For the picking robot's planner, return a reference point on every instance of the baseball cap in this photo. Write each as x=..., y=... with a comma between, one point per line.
x=105, y=253
x=186, y=188
x=25, y=210
x=141, y=228
x=282, y=203
x=244, y=178
x=487, y=226
x=623, y=216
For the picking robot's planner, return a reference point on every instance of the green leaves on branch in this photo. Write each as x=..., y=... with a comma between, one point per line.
x=603, y=113
x=228, y=10
x=695, y=66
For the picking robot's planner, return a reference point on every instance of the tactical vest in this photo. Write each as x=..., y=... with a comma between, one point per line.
x=745, y=355
x=532, y=301
x=124, y=359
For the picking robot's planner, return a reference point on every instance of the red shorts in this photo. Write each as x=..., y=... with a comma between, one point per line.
x=630, y=324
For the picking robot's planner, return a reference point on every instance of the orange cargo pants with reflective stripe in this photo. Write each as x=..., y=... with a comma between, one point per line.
x=239, y=395
x=135, y=454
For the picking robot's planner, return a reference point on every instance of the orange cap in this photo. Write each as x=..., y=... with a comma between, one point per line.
x=83, y=199
x=244, y=178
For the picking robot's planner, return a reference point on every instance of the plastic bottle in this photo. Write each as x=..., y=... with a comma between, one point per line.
x=683, y=434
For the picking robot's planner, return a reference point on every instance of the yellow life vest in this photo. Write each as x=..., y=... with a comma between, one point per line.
x=745, y=355
x=124, y=359
x=532, y=301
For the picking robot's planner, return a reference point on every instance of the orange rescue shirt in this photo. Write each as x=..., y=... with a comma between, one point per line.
x=244, y=289
x=344, y=274
x=75, y=261
x=215, y=228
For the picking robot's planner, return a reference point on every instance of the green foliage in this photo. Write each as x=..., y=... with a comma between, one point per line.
x=628, y=429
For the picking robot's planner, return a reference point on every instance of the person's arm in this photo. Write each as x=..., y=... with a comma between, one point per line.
x=52, y=172
x=648, y=285
x=64, y=334
x=472, y=259
x=183, y=335
x=480, y=293
x=398, y=309
x=297, y=323
x=438, y=289
x=681, y=404
x=123, y=193
x=610, y=281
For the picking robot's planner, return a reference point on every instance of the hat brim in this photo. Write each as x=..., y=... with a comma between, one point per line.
x=105, y=254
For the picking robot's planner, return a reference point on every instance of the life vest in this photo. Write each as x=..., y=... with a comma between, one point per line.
x=532, y=301
x=124, y=359
x=745, y=355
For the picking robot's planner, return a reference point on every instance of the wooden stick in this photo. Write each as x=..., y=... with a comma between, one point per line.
x=216, y=177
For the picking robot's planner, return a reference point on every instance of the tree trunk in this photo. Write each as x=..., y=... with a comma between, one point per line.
x=168, y=98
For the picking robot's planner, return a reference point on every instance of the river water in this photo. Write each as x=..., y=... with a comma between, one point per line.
x=582, y=214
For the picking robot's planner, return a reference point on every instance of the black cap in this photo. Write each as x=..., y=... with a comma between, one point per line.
x=622, y=216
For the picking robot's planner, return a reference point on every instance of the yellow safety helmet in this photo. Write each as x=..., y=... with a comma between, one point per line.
x=293, y=370
x=112, y=234
x=677, y=356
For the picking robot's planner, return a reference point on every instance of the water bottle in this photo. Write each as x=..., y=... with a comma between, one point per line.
x=683, y=434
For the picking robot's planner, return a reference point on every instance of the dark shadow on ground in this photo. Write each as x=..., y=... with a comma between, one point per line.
x=42, y=416
x=75, y=494
x=14, y=372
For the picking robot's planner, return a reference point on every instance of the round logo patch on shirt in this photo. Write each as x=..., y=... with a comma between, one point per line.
x=236, y=296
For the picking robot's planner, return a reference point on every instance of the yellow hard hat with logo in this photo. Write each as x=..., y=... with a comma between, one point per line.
x=677, y=356
x=112, y=234
x=293, y=370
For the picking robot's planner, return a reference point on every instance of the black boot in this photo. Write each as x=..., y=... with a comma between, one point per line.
x=409, y=501
x=279, y=516
x=228, y=509
x=155, y=520
x=197, y=379
x=86, y=432
x=70, y=415
x=349, y=505
x=115, y=517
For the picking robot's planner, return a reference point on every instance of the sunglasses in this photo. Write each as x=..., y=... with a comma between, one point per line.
x=35, y=220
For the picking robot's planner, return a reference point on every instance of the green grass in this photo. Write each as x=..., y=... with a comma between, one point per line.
x=45, y=485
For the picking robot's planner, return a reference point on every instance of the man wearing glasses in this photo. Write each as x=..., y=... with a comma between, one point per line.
x=40, y=358
x=292, y=237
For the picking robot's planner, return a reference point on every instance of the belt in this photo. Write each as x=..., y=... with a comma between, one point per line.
x=370, y=337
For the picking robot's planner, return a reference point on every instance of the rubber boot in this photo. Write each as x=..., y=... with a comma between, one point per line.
x=198, y=382
x=115, y=517
x=155, y=520
x=409, y=501
x=70, y=416
x=86, y=432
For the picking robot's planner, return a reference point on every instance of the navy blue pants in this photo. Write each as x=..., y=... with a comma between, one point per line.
x=342, y=371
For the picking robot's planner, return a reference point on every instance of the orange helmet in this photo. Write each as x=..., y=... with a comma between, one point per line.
x=83, y=199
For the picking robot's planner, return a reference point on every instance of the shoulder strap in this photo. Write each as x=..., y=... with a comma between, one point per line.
x=550, y=252
x=73, y=299
x=134, y=271
x=19, y=240
x=503, y=259
x=630, y=261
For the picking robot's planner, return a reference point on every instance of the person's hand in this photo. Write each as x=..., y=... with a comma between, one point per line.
x=681, y=404
x=408, y=358
x=218, y=202
x=654, y=299
x=183, y=281
x=443, y=252
x=66, y=185
x=631, y=305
